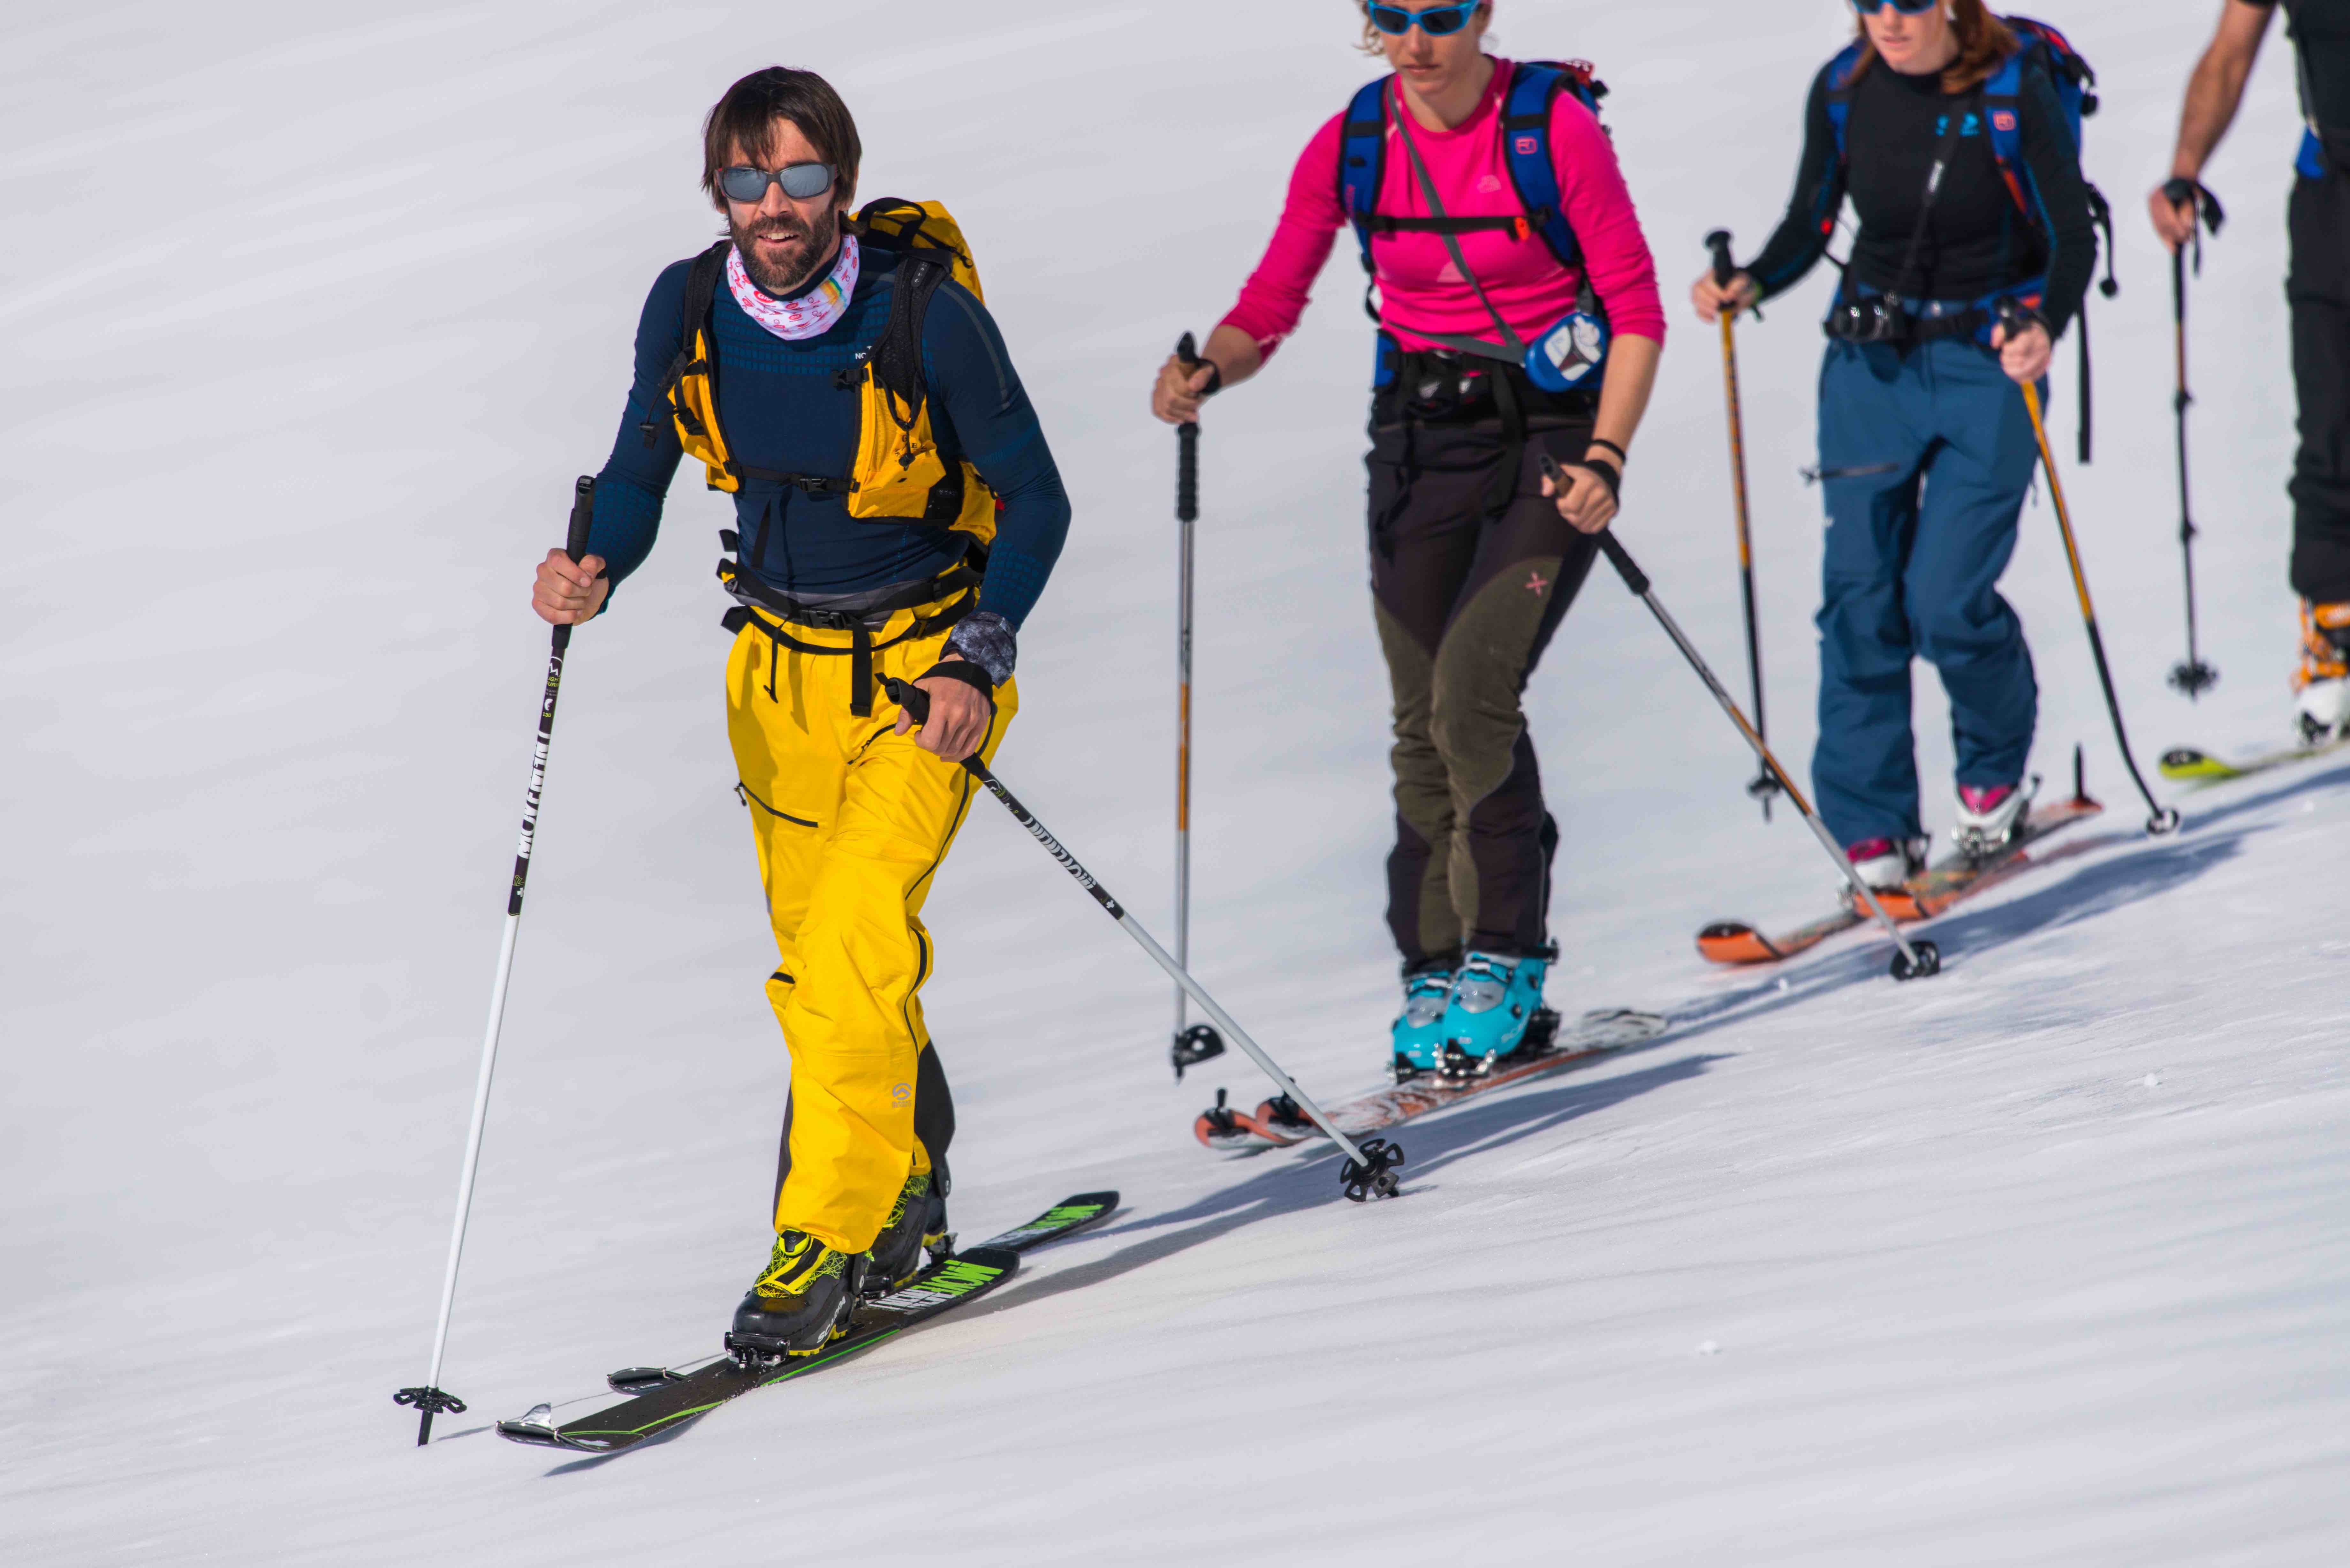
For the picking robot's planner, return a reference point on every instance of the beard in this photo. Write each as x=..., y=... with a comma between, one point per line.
x=801, y=263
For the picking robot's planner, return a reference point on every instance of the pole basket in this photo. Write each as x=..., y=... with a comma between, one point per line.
x=2193, y=677
x=1198, y=1043
x=429, y=1402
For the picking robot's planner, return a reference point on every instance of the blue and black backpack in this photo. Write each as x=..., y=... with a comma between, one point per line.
x=2075, y=83
x=1534, y=88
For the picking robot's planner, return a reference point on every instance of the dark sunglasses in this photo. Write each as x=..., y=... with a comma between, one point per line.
x=800, y=181
x=1437, y=21
x=1907, y=8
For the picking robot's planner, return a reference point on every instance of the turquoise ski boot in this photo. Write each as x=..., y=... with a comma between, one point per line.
x=1494, y=998
x=1419, y=1030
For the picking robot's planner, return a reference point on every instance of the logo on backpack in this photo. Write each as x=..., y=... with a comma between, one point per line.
x=1527, y=146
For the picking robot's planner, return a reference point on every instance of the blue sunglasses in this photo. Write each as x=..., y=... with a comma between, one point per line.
x=1907, y=8
x=1437, y=21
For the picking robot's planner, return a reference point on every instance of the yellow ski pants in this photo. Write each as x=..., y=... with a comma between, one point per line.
x=852, y=823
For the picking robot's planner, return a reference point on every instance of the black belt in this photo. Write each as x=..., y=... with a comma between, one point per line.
x=861, y=646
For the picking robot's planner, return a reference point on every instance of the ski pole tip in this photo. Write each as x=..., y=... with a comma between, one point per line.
x=2164, y=823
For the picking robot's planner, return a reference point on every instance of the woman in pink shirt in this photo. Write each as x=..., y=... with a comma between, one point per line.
x=1505, y=252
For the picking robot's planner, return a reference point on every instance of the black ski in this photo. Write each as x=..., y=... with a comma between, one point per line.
x=665, y=1399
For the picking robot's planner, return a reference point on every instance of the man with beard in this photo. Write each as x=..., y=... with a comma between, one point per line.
x=897, y=513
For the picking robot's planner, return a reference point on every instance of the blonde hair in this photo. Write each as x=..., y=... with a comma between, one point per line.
x=1984, y=41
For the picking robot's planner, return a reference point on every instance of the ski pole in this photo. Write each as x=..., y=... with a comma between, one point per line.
x=1199, y=1042
x=430, y=1398
x=2191, y=674
x=2164, y=819
x=1921, y=957
x=1369, y=1170
x=1764, y=786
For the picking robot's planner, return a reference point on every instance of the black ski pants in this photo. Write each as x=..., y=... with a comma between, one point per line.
x=1467, y=595
x=2318, y=289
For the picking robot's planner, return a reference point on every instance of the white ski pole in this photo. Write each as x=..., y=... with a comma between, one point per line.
x=430, y=1398
x=1369, y=1170
x=1198, y=1043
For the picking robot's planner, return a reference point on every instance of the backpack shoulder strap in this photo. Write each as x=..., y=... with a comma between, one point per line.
x=896, y=356
x=693, y=308
x=1840, y=78
x=2002, y=101
x=1525, y=148
x=1362, y=159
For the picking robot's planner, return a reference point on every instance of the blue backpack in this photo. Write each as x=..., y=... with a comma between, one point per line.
x=2075, y=83
x=1534, y=88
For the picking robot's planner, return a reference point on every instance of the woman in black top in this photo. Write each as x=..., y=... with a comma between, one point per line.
x=1926, y=450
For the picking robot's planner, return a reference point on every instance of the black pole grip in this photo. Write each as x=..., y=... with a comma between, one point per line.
x=909, y=696
x=2185, y=193
x=1724, y=269
x=1609, y=546
x=583, y=516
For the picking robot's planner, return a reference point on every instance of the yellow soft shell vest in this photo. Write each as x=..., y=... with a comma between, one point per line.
x=900, y=474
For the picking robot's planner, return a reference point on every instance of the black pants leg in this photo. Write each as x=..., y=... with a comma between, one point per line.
x=1466, y=600
x=2318, y=288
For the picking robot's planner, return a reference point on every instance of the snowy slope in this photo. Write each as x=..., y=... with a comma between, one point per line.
x=312, y=317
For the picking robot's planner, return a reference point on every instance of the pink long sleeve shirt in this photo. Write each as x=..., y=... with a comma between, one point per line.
x=1419, y=288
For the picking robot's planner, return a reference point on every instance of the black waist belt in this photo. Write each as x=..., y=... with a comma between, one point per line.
x=859, y=625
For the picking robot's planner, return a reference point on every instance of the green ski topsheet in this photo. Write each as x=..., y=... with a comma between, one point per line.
x=673, y=1399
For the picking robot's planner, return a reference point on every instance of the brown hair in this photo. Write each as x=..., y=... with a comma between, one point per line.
x=746, y=116
x=1984, y=41
x=1370, y=44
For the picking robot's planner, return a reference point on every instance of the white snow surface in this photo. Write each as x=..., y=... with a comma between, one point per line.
x=312, y=314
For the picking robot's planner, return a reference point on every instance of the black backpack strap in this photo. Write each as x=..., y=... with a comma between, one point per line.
x=896, y=357
x=693, y=309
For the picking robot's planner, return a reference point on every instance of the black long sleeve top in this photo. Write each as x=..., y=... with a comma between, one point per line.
x=1977, y=242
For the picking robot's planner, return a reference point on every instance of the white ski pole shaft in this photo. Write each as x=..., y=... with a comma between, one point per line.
x=1375, y=1159
x=1186, y=512
x=431, y=1399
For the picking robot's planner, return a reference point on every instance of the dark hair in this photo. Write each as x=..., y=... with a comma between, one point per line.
x=746, y=116
x=1985, y=43
x=1371, y=45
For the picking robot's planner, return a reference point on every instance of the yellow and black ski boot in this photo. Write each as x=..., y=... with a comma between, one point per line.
x=800, y=1300
x=917, y=1222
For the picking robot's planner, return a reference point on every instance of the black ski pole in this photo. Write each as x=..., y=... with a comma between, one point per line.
x=1914, y=957
x=1197, y=1042
x=2191, y=674
x=1369, y=1170
x=2163, y=819
x=1764, y=786
x=430, y=1398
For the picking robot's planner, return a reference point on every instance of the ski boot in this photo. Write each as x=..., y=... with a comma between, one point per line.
x=800, y=1301
x=1420, y=1030
x=918, y=1220
x=2321, y=708
x=1494, y=997
x=1883, y=863
x=1988, y=815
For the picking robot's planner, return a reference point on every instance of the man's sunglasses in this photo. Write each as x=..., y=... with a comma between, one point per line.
x=800, y=181
x=1437, y=21
x=1907, y=8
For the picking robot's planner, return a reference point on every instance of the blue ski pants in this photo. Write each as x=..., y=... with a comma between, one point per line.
x=1925, y=457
